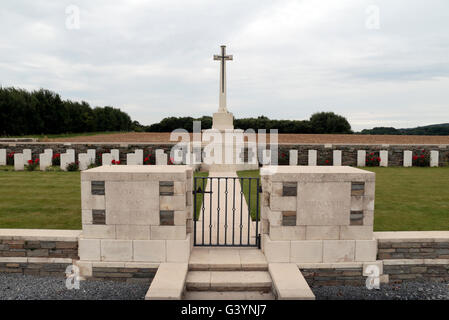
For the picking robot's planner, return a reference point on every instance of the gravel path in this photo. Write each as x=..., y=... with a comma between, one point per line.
x=25, y=287
x=404, y=291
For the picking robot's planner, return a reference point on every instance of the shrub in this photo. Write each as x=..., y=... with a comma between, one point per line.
x=32, y=164
x=326, y=162
x=73, y=166
x=372, y=160
x=284, y=158
x=149, y=159
x=10, y=159
x=56, y=159
x=421, y=158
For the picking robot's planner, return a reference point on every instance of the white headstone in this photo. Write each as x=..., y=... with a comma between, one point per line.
x=434, y=155
x=65, y=160
x=407, y=162
x=361, y=158
x=71, y=153
x=115, y=154
x=139, y=156
x=26, y=155
x=131, y=159
x=293, y=158
x=106, y=159
x=18, y=162
x=337, y=157
x=50, y=152
x=161, y=157
x=91, y=155
x=2, y=157
x=312, y=157
x=83, y=161
x=44, y=161
x=383, y=154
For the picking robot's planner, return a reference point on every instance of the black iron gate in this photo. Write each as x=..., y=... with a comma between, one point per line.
x=226, y=211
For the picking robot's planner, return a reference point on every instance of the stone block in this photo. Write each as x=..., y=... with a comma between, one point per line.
x=168, y=232
x=117, y=250
x=85, y=268
x=86, y=216
x=287, y=233
x=338, y=250
x=177, y=202
x=357, y=203
x=407, y=160
x=282, y=203
x=336, y=157
x=106, y=159
x=132, y=202
x=325, y=203
x=356, y=232
x=93, y=202
x=322, y=232
x=179, y=187
x=368, y=218
x=178, y=250
x=83, y=161
x=149, y=250
x=132, y=232
x=309, y=251
x=97, y=231
x=361, y=158
x=169, y=282
x=434, y=158
x=180, y=218
x=276, y=251
x=312, y=158
x=2, y=157
x=277, y=189
x=89, y=249
x=365, y=250
x=293, y=158
x=19, y=163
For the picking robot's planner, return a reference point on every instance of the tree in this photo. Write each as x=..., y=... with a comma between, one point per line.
x=329, y=122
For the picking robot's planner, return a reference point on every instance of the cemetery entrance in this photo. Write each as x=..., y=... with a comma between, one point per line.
x=226, y=211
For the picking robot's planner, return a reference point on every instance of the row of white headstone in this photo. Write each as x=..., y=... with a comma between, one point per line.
x=361, y=158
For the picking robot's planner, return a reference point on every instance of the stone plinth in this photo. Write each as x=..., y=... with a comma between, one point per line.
x=316, y=214
x=222, y=121
x=136, y=213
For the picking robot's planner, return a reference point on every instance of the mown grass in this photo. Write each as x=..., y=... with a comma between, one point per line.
x=63, y=135
x=199, y=196
x=407, y=199
x=245, y=184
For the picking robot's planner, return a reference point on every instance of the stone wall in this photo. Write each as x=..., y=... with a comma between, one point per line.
x=334, y=276
x=417, y=270
x=144, y=275
x=35, y=266
x=324, y=152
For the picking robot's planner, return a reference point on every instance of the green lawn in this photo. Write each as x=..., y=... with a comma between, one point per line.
x=406, y=199
x=245, y=184
x=63, y=135
x=199, y=196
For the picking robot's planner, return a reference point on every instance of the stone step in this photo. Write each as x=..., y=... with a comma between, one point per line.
x=228, y=281
x=228, y=295
x=227, y=259
x=289, y=283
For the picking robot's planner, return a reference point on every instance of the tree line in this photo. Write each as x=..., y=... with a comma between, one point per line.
x=44, y=112
x=321, y=122
x=431, y=130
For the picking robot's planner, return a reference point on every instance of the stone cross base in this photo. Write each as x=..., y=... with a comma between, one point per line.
x=222, y=121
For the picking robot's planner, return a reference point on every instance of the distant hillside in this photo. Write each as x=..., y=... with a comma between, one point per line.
x=431, y=130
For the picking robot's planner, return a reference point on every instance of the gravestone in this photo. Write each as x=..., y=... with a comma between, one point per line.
x=115, y=154
x=361, y=158
x=312, y=158
x=26, y=155
x=434, y=158
x=161, y=157
x=45, y=161
x=106, y=159
x=2, y=157
x=293, y=158
x=139, y=156
x=71, y=153
x=91, y=155
x=131, y=159
x=383, y=154
x=336, y=157
x=18, y=162
x=407, y=162
x=83, y=161
x=65, y=160
x=49, y=152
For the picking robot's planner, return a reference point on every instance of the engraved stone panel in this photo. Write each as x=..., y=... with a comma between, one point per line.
x=98, y=217
x=357, y=188
x=356, y=218
x=167, y=217
x=289, y=189
x=289, y=218
x=97, y=187
x=166, y=188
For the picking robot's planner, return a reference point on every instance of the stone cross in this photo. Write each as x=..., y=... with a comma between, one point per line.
x=223, y=57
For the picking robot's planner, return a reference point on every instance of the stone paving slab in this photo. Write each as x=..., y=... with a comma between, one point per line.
x=227, y=259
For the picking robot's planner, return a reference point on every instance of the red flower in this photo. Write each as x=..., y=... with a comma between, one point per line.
x=327, y=161
x=378, y=158
x=30, y=161
x=113, y=161
x=36, y=160
x=146, y=159
x=117, y=162
x=422, y=156
x=415, y=157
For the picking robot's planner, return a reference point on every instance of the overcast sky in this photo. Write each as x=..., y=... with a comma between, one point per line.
x=153, y=59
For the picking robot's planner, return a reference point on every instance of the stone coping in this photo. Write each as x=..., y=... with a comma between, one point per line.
x=268, y=170
x=412, y=236
x=396, y=262
x=40, y=234
x=289, y=283
x=34, y=260
x=169, y=282
x=139, y=169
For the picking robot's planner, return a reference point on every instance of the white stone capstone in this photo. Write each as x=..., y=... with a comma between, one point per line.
x=2, y=157
x=434, y=155
x=312, y=157
x=337, y=157
x=18, y=162
x=293, y=159
x=361, y=158
x=383, y=158
x=407, y=162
